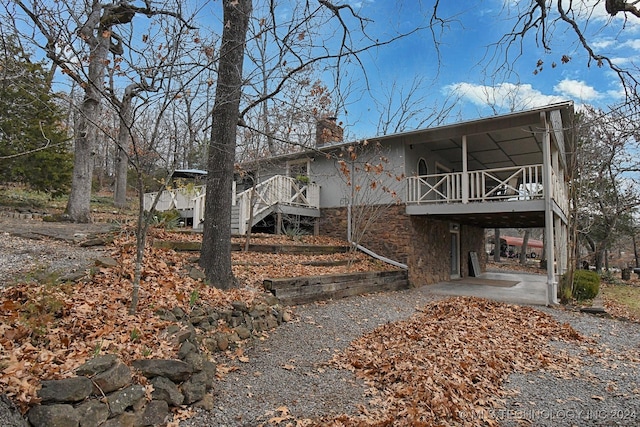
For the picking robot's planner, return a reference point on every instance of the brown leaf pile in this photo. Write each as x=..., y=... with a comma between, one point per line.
x=446, y=364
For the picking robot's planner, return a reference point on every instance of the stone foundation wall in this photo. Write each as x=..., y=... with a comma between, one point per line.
x=429, y=257
x=421, y=242
x=388, y=236
x=472, y=240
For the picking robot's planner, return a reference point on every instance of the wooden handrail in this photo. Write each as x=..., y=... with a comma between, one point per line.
x=512, y=183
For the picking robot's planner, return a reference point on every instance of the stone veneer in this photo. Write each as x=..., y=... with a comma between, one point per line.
x=421, y=242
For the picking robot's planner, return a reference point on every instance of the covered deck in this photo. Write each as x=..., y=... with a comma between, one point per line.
x=507, y=171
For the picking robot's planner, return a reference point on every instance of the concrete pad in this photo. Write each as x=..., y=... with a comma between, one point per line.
x=530, y=289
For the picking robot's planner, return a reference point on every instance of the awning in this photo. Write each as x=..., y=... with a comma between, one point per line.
x=517, y=241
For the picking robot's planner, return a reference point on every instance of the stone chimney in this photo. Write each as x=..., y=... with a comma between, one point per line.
x=328, y=131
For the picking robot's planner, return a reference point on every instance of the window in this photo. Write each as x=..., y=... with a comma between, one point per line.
x=298, y=168
x=422, y=167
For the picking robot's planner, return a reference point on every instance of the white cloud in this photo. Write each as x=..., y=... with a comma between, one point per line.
x=578, y=90
x=504, y=97
x=632, y=43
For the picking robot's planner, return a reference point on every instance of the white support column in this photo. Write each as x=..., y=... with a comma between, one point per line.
x=465, y=172
x=547, y=182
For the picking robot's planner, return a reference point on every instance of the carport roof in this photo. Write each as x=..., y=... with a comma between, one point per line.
x=494, y=142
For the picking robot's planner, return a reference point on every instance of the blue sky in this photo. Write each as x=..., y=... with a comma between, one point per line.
x=466, y=71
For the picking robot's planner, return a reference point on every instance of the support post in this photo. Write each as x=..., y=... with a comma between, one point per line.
x=547, y=182
x=465, y=172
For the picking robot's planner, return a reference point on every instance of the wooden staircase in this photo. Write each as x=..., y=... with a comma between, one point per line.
x=278, y=194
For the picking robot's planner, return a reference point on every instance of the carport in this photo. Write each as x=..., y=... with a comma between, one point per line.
x=515, y=288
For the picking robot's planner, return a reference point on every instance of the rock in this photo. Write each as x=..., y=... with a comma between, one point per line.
x=178, y=312
x=164, y=389
x=121, y=400
x=92, y=413
x=118, y=376
x=104, y=261
x=9, y=414
x=210, y=344
x=97, y=365
x=243, y=332
x=196, y=274
x=184, y=334
x=205, y=403
x=209, y=368
x=59, y=415
x=195, y=360
x=66, y=390
x=185, y=349
x=175, y=370
x=126, y=419
x=286, y=316
x=194, y=388
x=165, y=314
x=222, y=341
x=155, y=413
x=240, y=306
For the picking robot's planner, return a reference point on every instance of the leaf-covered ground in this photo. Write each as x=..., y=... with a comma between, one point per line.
x=446, y=364
x=443, y=366
x=47, y=329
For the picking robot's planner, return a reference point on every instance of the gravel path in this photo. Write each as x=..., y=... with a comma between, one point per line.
x=288, y=370
x=606, y=392
x=29, y=246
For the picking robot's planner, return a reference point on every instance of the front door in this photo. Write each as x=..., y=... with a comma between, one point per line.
x=454, y=232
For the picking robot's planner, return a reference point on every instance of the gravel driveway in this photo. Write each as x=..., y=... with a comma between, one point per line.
x=287, y=370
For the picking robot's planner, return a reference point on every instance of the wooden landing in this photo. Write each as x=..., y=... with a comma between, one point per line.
x=302, y=290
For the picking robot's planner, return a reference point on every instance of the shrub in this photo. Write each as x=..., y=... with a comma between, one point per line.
x=167, y=219
x=586, y=284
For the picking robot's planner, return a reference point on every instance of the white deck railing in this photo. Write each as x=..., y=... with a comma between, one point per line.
x=278, y=189
x=514, y=183
x=180, y=198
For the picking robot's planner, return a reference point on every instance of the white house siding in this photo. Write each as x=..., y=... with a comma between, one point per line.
x=335, y=192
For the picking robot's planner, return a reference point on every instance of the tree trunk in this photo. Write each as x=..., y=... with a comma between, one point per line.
x=523, y=250
x=496, y=245
x=216, y=240
x=124, y=142
x=635, y=250
x=120, y=191
x=79, y=204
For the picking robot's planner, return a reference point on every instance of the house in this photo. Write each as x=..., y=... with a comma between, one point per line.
x=426, y=196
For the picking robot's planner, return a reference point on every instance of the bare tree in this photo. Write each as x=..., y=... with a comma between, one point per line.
x=402, y=108
x=549, y=20
x=79, y=36
x=605, y=181
x=310, y=43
